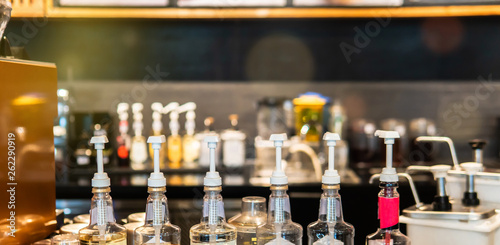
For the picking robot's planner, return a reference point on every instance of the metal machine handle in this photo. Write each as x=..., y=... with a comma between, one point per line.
x=418, y=204
x=446, y=140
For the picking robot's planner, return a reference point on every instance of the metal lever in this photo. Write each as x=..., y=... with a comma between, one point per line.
x=446, y=140
x=418, y=204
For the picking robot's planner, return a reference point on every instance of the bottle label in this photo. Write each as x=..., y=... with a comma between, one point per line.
x=279, y=241
x=388, y=211
x=326, y=240
x=380, y=242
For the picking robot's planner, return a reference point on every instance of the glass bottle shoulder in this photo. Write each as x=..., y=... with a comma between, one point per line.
x=322, y=226
x=114, y=233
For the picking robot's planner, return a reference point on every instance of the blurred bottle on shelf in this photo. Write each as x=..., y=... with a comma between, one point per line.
x=421, y=152
x=157, y=130
x=362, y=143
x=233, y=148
x=138, y=150
x=273, y=116
x=190, y=146
x=123, y=139
x=174, y=140
x=309, y=117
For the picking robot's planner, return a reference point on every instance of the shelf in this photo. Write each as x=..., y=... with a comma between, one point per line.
x=48, y=9
x=259, y=13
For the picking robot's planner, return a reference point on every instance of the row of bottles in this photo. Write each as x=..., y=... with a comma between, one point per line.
x=252, y=226
x=180, y=151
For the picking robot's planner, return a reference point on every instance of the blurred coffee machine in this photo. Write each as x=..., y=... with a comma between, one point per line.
x=29, y=106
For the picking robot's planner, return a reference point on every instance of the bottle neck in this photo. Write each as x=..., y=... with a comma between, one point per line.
x=330, y=209
x=279, y=205
x=213, y=207
x=156, y=207
x=101, y=208
x=253, y=206
x=388, y=206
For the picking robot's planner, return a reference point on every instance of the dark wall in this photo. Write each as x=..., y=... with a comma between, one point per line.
x=242, y=50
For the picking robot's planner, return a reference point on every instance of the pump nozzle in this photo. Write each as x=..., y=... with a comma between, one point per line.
x=189, y=106
x=212, y=178
x=101, y=178
x=170, y=107
x=122, y=107
x=389, y=173
x=331, y=176
x=278, y=177
x=157, y=107
x=156, y=179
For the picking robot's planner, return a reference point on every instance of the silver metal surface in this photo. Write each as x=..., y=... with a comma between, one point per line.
x=457, y=212
x=470, y=183
x=478, y=155
x=481, y=175
x=441, y=190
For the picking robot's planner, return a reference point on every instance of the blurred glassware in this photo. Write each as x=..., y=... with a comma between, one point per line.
x=272, y=116
x=253, y=213
x=421, y=152
x=362, y=143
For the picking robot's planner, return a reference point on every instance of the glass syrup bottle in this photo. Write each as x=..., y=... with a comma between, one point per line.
x=279, y=228
x=253, y=213
x=157, y=228
x=213, y=228
x=330, y=228
x=103, y=228
x=138, y=149
x=388, y=201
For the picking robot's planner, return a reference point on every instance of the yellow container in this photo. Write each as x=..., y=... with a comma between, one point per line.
x=309, y=117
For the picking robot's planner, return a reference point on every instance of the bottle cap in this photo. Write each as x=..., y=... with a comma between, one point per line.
x=212, y=178
x=101, y=178
x=278, y=177
x=331, y=176
x=156, y=179
x=471, y=168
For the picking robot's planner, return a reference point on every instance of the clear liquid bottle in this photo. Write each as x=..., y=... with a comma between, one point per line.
x=174, y=151
x=330, y=228
x=253, y=213
x=157, y=228
x=102, y=228
x=213, y=228
x=279, y=228
x=388, y=209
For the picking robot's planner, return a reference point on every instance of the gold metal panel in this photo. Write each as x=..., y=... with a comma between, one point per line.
x=28, y=106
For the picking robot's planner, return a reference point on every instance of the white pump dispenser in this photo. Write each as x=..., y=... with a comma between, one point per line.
x=331, y=176
x=278, y=177
x=101, y=178
x=212, y=177
x=156, y=179
x=190, y=124
x=102, y=228
x=137, y=113
x=389, y=173
x=157, y=228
